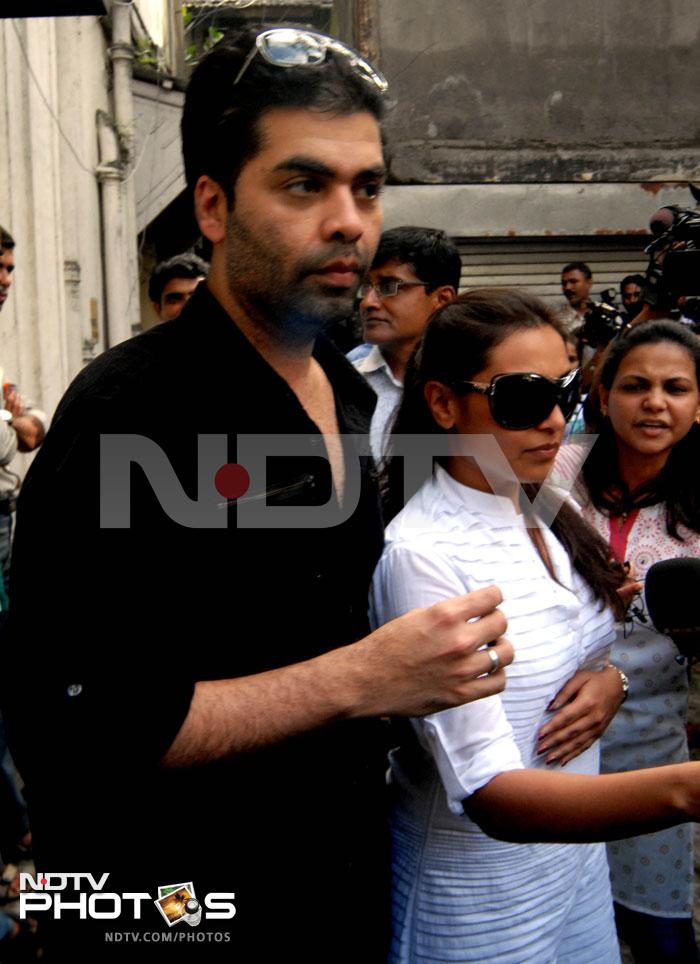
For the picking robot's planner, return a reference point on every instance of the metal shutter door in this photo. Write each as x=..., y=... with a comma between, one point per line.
x=535, y=264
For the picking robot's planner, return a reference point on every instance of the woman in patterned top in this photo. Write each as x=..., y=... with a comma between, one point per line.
x=641, y=493
x=492, y=374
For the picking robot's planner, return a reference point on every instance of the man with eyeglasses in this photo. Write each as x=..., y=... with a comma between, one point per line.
x=213, y=719
x=414, y=272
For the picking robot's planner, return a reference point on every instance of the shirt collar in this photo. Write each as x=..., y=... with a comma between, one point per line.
x=374, y=362
x=219, y=338
x=482, y=503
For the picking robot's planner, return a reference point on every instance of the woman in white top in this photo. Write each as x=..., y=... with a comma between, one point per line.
x=494, y=364
x=639, y=489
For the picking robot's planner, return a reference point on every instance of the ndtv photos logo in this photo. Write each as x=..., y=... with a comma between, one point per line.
x=88, y=899
x=221, y=483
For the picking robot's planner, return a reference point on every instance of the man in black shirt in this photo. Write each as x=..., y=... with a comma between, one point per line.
x=211, y=715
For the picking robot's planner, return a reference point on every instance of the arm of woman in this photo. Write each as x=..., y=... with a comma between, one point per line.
x=470, y=743
x=553, y=807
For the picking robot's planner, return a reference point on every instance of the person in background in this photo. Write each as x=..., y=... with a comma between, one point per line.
x=576, y=422
x=639, y=490
x=593, y=323
x=576, y=284
x=172, y=283
x=22, y=428
x=415, y=271
x=22, y=424
x=631, y=288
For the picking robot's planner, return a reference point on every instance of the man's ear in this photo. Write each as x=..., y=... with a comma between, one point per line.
x=210, y=208
x=443, y=296
x=156, y=307
x=442, y=403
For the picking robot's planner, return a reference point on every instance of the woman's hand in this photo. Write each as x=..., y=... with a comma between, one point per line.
x=630, y=587
x=586, y=704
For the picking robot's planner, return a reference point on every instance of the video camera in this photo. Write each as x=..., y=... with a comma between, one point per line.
x=674, y=255
x=601, y=323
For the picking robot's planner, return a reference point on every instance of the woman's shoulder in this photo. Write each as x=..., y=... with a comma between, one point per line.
x=429, y=508
x=444, y=510
x=651, y=530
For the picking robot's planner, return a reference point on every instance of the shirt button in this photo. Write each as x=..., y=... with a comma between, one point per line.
x=75, y=689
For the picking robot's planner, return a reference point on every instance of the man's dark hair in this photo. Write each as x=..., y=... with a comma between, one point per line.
x=578, y=266
x=6, y=239
x=432, y=255
x=186, y=265
x=220, y=130
x=632, y=279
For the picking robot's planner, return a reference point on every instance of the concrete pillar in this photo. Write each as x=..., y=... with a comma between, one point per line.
x=31, y=204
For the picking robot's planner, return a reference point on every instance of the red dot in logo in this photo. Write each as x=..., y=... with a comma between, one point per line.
x=44, y=880
x=232, y=481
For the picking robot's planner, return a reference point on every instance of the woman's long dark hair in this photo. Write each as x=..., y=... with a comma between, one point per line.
x=456, y=345
x=676, y=485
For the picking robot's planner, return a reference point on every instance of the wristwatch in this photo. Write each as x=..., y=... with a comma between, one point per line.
x=623, y=680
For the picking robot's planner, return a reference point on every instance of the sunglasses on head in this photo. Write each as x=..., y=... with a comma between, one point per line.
x=288, y=47
x=524, y=399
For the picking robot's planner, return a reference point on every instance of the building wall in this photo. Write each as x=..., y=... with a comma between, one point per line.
x=546, y=120
x=543, y=91
x=53, y=80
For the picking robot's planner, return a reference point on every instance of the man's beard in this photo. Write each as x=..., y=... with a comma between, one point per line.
x=265, y=279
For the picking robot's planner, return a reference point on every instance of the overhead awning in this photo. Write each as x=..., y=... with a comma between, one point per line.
x=159, y=176
x=17, y=9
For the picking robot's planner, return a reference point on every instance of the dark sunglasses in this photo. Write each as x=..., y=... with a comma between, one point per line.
x=524, y=399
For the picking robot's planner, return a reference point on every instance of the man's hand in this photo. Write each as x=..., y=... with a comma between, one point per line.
x=30, y=431
x=588, y=703
x=431, y=659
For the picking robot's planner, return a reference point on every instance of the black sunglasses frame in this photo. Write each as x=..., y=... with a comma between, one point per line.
x=565, y=392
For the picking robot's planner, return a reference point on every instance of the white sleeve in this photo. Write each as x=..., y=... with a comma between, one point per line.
x=8, y=443
x=472, y=743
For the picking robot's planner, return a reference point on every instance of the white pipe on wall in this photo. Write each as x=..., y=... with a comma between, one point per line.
x=115, y=237
x=116, y=142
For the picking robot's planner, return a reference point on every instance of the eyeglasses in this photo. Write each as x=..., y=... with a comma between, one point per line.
x=388, y=287
x=287, y=47
x=524, y=399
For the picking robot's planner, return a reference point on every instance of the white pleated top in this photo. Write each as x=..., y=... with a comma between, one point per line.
x=451, y=539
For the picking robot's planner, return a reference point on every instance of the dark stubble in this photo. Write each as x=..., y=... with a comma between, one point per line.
x=274, y=287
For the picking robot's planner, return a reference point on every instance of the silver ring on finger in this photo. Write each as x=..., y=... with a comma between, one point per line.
x=495, y=661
